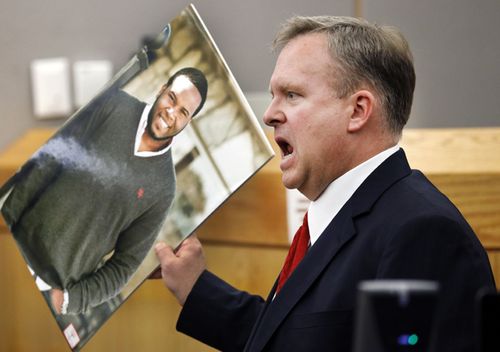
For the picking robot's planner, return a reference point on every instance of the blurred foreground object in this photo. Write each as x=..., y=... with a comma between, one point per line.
x=394, y=315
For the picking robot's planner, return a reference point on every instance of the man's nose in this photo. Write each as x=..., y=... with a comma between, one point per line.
x=273, y=115
x=170, y=111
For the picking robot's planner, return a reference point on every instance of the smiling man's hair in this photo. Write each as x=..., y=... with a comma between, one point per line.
x=198, y=79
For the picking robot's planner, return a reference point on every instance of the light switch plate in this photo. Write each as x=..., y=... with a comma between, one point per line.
x=51, y=88
x=89, y=77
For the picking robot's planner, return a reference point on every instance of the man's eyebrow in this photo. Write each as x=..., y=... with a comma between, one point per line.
x=283, y=87
x=183, y=109
x=174, y=96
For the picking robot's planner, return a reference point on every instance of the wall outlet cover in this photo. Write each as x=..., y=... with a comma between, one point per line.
x=51, y=88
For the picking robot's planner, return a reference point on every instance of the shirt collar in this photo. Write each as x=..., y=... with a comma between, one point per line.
x=322, y=211
x=143, y=122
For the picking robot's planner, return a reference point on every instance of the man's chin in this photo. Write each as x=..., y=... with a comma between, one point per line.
x=160, y=139
x=288, y=181
x=156, y=136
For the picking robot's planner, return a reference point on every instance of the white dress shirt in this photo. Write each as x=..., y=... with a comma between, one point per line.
x=322, y=211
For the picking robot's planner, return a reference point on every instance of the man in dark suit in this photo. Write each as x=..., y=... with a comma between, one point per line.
x=341, y=93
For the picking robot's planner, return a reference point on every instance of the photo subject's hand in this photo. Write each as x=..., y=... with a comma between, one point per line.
x=57, y=299
x=182, y=268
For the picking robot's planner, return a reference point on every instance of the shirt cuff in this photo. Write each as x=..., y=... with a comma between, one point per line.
x=64, y=308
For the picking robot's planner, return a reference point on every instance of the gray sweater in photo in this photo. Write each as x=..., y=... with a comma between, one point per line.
x=84, y=196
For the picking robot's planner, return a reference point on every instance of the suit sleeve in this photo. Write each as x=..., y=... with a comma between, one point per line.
x=445, y=250
x=219, y=315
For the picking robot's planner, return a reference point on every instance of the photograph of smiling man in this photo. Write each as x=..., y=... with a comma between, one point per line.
x=115, y=155
x=162, y=146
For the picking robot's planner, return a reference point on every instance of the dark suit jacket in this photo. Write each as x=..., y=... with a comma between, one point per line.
x=397, y=225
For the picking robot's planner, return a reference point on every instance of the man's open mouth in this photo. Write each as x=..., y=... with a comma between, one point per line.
x=286, y=149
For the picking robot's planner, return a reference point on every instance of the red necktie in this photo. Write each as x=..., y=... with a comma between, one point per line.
x=296, y=252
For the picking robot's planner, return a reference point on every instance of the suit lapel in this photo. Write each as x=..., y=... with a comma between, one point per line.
x=316, y=259
x=333, y=239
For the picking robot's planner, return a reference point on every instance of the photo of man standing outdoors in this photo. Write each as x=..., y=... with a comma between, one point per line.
x=87, y=207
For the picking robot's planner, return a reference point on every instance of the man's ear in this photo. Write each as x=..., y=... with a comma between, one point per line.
x=363, y=102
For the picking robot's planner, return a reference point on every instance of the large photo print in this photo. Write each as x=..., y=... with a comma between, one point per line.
x=164, y=144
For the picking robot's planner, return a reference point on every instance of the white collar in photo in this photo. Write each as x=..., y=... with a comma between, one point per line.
x=140, y=130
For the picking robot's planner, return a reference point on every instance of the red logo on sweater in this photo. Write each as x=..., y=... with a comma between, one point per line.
x=140, y=193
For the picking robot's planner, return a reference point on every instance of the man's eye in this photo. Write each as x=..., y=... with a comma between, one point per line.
x=291, y=95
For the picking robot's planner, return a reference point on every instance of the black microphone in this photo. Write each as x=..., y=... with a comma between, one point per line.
x=161, y=39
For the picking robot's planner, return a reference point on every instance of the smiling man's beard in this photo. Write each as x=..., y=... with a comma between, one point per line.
x=149, y=128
